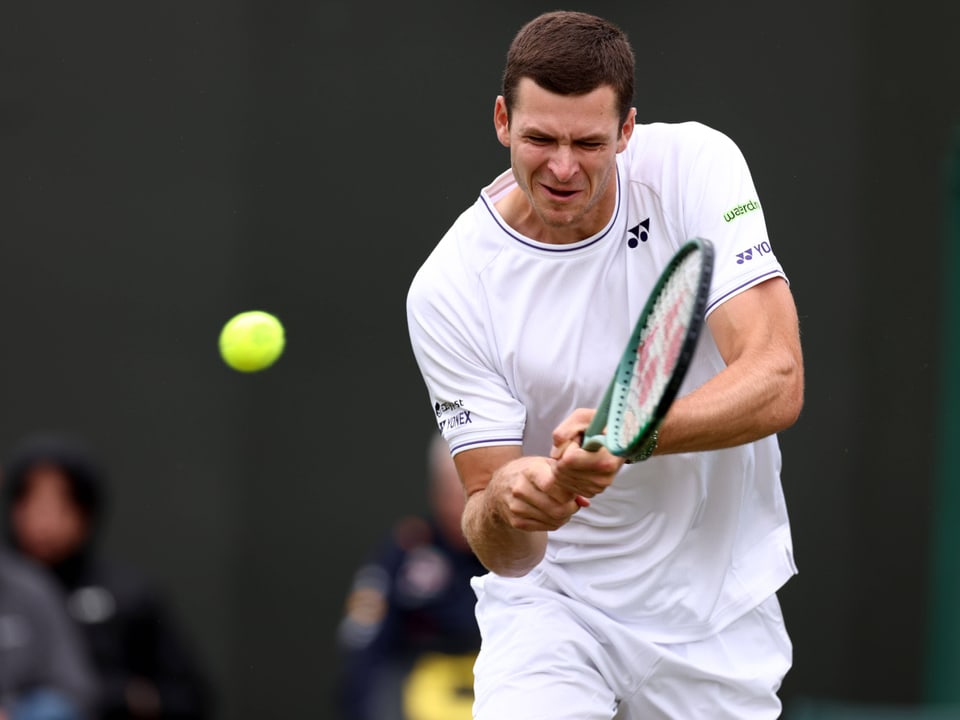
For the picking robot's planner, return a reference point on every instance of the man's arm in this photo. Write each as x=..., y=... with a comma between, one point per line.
x=512, y=501
x=760, y=392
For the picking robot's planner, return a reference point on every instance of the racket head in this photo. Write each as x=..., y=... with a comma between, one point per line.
x=657, y=356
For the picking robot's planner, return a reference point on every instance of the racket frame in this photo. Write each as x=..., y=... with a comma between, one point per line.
x=595, y=436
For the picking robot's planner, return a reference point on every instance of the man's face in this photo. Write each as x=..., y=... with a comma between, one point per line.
x=47, y=522
x=563, y=153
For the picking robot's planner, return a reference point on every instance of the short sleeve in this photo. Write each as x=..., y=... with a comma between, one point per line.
x=721, y=204
x=471, y=401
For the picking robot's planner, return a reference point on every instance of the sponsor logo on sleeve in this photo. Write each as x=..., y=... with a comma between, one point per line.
x=451, y=414
x=751, y=252
x=735, y=212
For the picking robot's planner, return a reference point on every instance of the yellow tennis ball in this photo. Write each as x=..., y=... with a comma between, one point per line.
x=252, y=341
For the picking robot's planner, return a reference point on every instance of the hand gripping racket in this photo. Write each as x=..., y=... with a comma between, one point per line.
x=656, y=357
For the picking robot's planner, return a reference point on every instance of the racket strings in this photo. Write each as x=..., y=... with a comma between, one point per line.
x=658, y=350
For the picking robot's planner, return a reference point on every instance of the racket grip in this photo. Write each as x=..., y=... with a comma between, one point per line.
x=593, y=442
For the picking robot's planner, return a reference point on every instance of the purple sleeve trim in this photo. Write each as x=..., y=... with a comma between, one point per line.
x=753, y=281
x=492, y=441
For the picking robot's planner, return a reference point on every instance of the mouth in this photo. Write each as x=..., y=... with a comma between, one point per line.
x=559, y=193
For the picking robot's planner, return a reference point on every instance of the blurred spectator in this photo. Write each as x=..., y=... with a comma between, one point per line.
x=54, y=497
x=409, y=637
x=45, y=671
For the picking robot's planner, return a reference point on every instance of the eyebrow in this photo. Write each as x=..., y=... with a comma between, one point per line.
x=596, y=137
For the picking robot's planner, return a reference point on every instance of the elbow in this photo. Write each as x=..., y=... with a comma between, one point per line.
x=789, y=398
x=512, y=571
x=505, y=567
x=500, y=549
x=505, y=564
x=788, y=414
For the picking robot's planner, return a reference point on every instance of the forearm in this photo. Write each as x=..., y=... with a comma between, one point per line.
x=501, y=548
x=759, y=392
x=754, y=397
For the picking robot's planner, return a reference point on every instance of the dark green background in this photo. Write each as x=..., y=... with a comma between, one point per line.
x=167, y=164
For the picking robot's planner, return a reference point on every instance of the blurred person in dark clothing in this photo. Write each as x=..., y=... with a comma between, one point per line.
x=45, y=670
x=408, y=638
x=54, y=509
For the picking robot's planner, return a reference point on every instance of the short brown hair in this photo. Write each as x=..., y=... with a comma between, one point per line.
x=571, y=53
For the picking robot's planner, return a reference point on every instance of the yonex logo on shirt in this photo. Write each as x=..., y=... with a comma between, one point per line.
x=761, y=249
x=739, y=210
x=458, y=420
x=460, y=416
x=636, y=235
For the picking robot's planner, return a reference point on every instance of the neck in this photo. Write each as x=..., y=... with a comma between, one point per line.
x=517, y=211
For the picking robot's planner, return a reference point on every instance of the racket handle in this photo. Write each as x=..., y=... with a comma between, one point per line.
x=593, y=442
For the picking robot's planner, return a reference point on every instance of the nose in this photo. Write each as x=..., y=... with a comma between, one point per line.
x=563, y=163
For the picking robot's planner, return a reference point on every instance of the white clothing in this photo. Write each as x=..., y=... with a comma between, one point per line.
x=512, y=335
x=541, y=661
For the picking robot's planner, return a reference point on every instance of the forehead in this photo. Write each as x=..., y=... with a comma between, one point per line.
x=536, y=108
x=46, y=476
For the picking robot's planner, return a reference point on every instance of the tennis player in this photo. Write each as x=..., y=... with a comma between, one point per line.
x=636, y=591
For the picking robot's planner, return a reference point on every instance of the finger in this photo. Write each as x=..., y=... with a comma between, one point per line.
x=576, y=459
x=541, y=512
x=572, y=427
x=556, y=453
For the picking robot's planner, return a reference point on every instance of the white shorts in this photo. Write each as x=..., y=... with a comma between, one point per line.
x=545, y=659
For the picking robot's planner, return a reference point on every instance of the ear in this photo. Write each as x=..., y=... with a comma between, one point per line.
x=627, y=130
x=501, y=121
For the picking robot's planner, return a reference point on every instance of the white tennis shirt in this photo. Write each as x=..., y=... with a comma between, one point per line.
x=512, y=335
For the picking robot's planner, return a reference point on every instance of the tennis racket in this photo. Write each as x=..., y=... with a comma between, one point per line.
x=656, y=358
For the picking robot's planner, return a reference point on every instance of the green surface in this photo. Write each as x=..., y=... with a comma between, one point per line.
x=943, y=658
x=825, y=710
